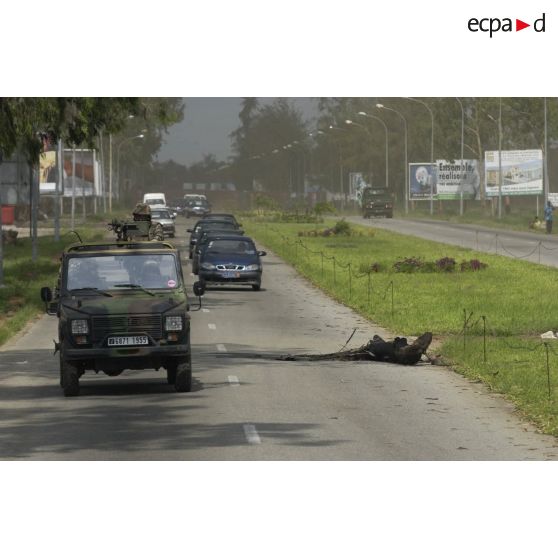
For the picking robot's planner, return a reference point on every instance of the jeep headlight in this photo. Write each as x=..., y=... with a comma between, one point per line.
x=207, y=265
x=252, y=267
x=173, y=323
x=80, y=327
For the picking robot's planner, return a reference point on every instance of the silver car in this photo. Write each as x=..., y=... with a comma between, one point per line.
x=166, y=218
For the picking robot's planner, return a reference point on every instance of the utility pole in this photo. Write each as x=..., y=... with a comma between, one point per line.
x=110, y=173
x=73, y=219
x=58, y=191
x=83, y=185
x=500, y=161
x=546, y=184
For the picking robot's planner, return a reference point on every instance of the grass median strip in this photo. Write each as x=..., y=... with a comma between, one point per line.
x=487, y=321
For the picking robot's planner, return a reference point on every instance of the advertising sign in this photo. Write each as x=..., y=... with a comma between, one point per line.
x=422, y=181
x=86, y=177
x=357, y=183
x=458, y=178
x=48, y=174
x=522, y=173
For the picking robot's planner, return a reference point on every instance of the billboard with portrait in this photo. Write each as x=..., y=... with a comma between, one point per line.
x=422, y=181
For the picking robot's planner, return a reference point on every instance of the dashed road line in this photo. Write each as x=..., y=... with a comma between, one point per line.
x=211, y=326
x=206, y=310
x=251, y=434
x=233, y=380
x=221, y=348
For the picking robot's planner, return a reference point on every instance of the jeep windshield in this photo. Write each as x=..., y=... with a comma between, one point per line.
x=92, y=274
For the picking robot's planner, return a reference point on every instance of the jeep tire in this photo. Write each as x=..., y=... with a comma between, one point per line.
x=69, y=378
x=183, y=380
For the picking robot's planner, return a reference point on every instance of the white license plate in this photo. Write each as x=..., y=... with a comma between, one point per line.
x=128, y=340
x=231, y=274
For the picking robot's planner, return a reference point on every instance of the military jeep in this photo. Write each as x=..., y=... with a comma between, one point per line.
x=120, y=306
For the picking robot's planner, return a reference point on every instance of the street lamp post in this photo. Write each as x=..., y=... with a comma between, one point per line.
x=341, y=169
x=431, y=148
x=362, y=113
x=499, y=122
x=406, y=194
x=126, y=140
x=462, y=149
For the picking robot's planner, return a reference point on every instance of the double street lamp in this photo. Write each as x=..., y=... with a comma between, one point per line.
x=406, y=173
x=362, y=113
x=431, y=147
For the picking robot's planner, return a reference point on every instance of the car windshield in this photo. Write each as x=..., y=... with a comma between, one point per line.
x=150, y=271
x=231, y=247
x=158, y=214
x=155, y=202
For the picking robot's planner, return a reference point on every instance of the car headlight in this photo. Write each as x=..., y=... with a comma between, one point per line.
x=207, y=265
x=252, y=267
x=173, y=323
x=80, y=327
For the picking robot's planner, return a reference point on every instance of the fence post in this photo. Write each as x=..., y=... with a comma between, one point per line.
x=547, y=369
x=484, y=336
x=464, y=329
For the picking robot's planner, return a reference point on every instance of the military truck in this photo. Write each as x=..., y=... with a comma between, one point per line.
x=120, y=306
x=376, y=202
x=140, y=228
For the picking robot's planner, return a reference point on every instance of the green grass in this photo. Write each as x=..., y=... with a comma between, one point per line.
x=20, y=299
x=475, y=214
x=516, y=298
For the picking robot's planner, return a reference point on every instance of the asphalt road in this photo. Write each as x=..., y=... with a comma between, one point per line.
x=528, y=246
x=246, y=405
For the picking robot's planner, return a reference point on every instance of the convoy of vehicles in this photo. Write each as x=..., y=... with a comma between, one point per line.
x=122, y=304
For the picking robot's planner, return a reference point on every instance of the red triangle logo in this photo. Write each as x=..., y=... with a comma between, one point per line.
x=519, y=25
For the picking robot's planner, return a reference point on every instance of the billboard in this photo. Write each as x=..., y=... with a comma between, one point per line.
x=357, y=183
x=458, y=178
x=522, y=173
x=422, y=181
x=48, y=173
x=86, y=179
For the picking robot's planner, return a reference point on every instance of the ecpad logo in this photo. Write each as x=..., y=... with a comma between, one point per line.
x=494, y=24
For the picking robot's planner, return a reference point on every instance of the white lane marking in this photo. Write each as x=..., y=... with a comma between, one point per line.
x=211, y=326
x=221, y=348
x=192, y=275
x=234, y=381
x=22, y=362
x=205, y=310
x=251, y=434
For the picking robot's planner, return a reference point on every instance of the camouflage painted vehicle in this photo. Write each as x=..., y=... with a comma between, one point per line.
x=141, y=228
x=121, y=306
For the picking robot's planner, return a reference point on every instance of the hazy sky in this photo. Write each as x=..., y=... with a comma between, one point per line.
x=207, y=123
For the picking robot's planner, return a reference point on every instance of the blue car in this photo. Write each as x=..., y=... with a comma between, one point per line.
x=231, y=260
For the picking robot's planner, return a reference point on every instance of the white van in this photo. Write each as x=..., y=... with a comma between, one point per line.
x=155, y=200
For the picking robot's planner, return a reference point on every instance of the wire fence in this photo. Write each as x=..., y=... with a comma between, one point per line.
x=374, y=291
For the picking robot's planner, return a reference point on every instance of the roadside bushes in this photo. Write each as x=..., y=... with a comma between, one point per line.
x=443, y=265
x=341, y=228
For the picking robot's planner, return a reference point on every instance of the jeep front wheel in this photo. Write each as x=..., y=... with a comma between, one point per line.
x=69, y=378
x=183, y=380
